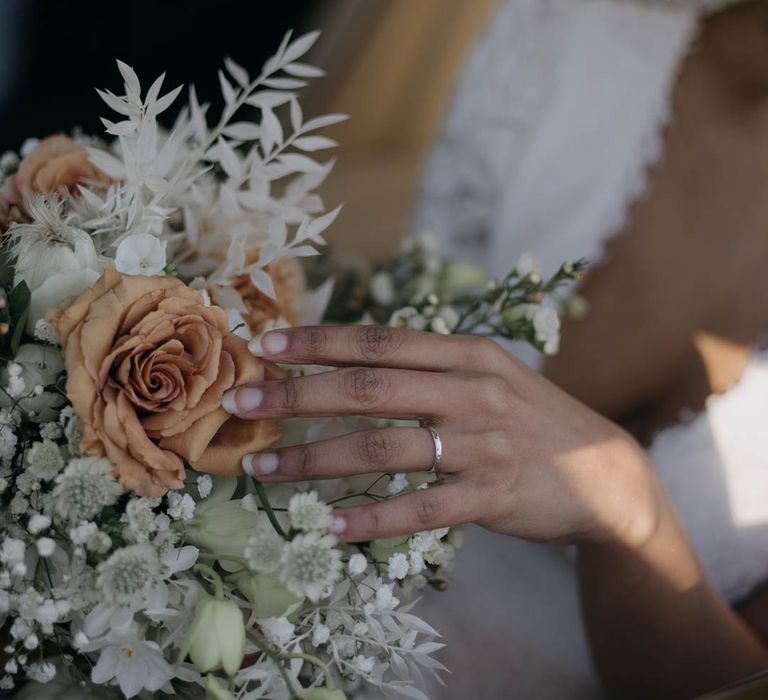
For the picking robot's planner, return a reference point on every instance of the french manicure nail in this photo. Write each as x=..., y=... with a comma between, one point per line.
x=242, y=400
x=260, y=464
x=338, y=525
x=274, y=343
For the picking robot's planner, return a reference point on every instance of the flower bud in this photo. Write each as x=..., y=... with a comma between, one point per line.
x=461, y=276
x=269, y=597
x=216, y=638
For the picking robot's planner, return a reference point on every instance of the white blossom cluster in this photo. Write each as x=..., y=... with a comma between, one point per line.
x=226, y=588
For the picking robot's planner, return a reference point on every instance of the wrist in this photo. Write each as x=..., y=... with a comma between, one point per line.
x=631, y=499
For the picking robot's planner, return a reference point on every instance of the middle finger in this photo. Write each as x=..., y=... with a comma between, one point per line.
x=385, y=393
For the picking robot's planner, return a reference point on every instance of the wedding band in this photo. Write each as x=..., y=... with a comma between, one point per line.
x=438, y=448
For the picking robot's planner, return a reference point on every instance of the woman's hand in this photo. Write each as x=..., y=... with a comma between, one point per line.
x=520, y=457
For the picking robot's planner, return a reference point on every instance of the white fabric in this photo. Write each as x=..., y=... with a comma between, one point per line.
x=552, y=128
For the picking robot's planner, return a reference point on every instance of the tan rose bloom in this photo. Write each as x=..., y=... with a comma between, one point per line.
x=56, y=163
x=147, y=364
x=289, y=286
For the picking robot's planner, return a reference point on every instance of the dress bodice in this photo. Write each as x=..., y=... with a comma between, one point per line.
x=552, y=129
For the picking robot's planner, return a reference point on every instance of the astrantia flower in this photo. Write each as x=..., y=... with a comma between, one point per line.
x=307, y=513
x=140, y=519
x=84, y=488
x=44, y=459
x=310, y=565
x=264, y=552
x=128, y=573
x=141, y=254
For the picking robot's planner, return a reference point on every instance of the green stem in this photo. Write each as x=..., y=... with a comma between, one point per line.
x=315, y=661
x=217, y=582
x=224, y=557
x=262, y=494
x=264, y=648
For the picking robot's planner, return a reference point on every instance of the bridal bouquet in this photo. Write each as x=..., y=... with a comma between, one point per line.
x=135, y=557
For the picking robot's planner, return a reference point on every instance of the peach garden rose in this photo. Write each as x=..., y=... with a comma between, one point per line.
x=147, y=363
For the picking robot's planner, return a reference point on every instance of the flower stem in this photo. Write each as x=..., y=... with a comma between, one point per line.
x=217, y=582
x=273, y=656
x=262, y=494
x=315, y=661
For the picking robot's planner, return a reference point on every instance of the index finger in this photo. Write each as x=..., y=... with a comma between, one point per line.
x=374, y=346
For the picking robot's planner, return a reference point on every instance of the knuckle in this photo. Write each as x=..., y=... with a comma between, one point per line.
x=372, y=523
x=304, y=460
x=365, y=386
x=375, y=448
x=487, y=353
x=316, y=339
x=494, y=393
x=374, y=342
x=427, y=509
x=289, y=394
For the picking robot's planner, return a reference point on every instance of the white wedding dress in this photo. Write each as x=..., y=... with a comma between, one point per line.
x=547, y=142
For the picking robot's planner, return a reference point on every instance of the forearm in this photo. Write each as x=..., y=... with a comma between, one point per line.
x=656, y=627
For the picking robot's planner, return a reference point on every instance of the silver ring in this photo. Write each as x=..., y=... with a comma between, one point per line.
x=438, y=448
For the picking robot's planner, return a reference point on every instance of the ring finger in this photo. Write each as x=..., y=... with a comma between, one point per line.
x=366, y=451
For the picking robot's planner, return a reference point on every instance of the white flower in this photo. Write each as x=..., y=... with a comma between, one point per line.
x=45, y=546
x=357, y=565
x=12, y=551
x=44, y=459
x=277, y=630
x=216, y=637
x=382, y=288
x=99, y=542
x=397, y=484
x=397, y=567
x=56, y=260
x=140, y=519
x=546, y=324
x=363, y=664
x=46, y=332
x=19, y=504
x=180, y=506
x=34, y=365
x=135, y=664
x=307, y=513
x=264, y=552
x=385, y=599
x=141, y=254
x=416, y=561
x=438, y=325
x=31, y=642
x=81, y=533
x=310, y=565
x=41, y=671
x=528, y=264
x=321, y=635
x=51, y=431
x=204, y=485
x=84, y=488
x=128, y=573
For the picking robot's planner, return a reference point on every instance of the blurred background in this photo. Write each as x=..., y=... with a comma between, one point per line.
x=391, y=65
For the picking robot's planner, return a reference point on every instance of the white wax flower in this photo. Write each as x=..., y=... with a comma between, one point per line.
x=528, y=264
x=141, y=254
x=546, y=324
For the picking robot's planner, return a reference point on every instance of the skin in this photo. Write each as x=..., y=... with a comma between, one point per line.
x=523, y=457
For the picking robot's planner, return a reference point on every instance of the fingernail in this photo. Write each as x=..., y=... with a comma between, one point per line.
x=260, y=464
x=338, y=525
x=274, y=343
x=254, y=346
x=242, y=400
